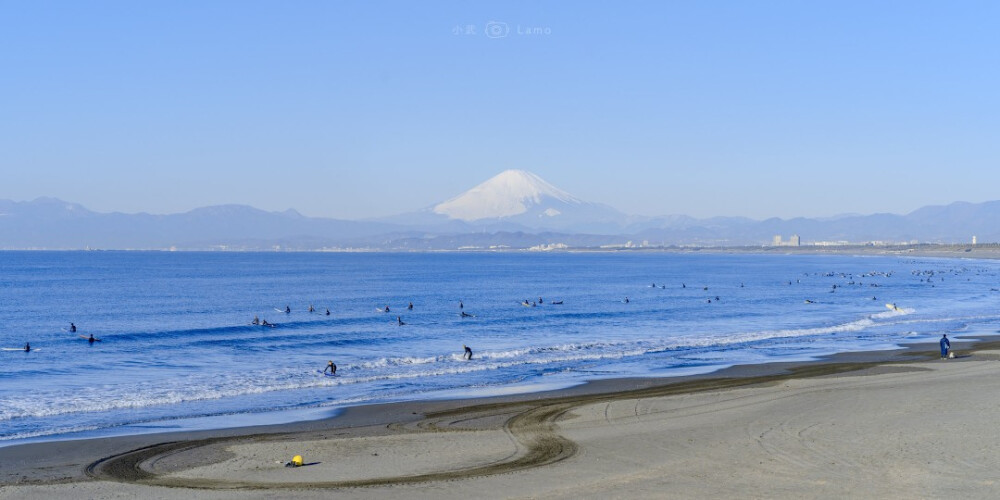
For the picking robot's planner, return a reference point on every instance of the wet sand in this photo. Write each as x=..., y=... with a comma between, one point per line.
x=889, y=424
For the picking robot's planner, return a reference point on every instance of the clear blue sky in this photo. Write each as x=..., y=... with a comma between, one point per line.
x=361, y=109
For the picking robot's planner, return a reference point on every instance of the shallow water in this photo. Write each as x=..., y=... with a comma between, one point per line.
x=177, y=350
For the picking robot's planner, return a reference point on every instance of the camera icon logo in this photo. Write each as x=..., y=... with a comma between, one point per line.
x=496, y=29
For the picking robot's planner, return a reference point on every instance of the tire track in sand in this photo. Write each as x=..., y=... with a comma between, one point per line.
x=534, y=427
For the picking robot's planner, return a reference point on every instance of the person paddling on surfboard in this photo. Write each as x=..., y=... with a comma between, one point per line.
x=72, y=328
x=400, y=321
x=330, y=366
x=467, y=355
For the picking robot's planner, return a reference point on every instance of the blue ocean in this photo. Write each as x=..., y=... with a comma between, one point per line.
x=177, y=349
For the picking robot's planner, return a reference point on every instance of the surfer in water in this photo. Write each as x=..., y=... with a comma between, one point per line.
x=91, y=339
x=386, y=309
x=327, y=311
x=539, y=300
x=311, y=308
x=265, y=323
x=256, y=320
x=626, y=300
x=288, y=310
x=409, y=307
x=72, y=328
x=467, y=355
x=461, y=305
x=945, y=346
x=466, y=315
x=330, y=366
x=400, y=321
x=27, y=347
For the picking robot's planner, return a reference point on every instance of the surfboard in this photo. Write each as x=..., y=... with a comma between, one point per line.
x=892, y=307
x=12, y=349
x=84, y=337
x=327, y=374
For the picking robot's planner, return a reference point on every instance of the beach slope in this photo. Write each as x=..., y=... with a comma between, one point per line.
x=910, y=428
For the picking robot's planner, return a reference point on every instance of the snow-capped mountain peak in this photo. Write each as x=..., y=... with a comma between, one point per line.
x=512, y=192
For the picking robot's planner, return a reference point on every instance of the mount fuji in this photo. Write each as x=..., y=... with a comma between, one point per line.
x=519, y=200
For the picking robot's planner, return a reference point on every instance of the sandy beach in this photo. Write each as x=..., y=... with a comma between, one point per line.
x=898, y=424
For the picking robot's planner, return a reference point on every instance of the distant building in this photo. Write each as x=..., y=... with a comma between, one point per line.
x=973, y=239
x=793, y=241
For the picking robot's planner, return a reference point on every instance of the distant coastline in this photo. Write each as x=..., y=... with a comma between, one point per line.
x=967, y=251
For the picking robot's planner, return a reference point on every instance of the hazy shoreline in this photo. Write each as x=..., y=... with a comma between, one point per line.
x=28, y=468
x=949, y=250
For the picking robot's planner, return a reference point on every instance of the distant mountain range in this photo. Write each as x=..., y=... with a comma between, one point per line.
x=515, y=209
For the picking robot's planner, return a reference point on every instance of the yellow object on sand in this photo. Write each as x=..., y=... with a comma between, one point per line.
x=297, y=461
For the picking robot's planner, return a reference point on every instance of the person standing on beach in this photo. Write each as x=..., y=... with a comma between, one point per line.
x=332, y=367
x=945, y=346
